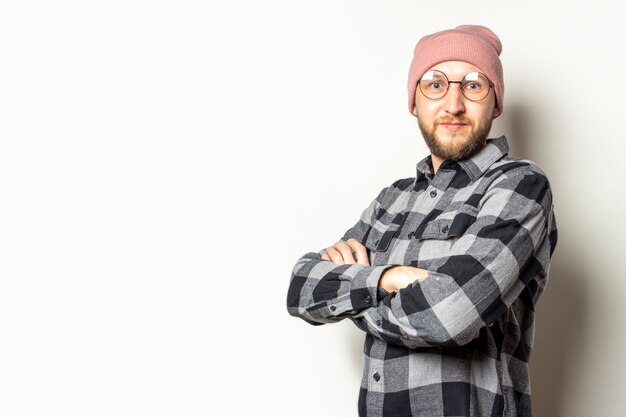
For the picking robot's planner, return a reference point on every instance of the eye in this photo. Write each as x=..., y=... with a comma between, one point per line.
x=475, y=82
x=436, y=85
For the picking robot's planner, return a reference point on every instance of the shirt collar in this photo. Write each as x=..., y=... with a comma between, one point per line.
x=476, y=165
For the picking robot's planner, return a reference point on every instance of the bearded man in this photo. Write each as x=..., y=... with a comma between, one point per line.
x=443, y=270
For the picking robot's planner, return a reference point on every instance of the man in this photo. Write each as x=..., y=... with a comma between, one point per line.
x=443, y=271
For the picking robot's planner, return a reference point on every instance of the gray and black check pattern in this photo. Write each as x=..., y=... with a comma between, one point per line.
x=484, y=228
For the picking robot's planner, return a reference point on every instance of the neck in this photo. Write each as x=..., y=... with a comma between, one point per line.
x=436, y=161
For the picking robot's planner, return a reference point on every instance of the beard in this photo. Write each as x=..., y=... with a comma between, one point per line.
x=460, y=145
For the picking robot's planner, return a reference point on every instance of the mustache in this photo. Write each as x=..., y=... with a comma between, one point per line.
x=453, y=120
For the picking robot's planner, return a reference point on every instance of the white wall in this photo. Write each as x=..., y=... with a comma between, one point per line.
x=164, y=164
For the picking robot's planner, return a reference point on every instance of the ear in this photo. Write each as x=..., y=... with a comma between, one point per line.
x=414, y=110
x=496, y=112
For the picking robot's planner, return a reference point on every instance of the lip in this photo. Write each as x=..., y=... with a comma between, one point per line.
x=453, y=127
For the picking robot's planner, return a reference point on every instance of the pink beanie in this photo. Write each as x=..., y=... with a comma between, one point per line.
x=476, y=45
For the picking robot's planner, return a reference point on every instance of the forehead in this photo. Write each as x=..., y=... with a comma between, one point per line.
x=455, y=69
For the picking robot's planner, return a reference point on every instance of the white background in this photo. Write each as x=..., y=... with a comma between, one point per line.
x=163, y=165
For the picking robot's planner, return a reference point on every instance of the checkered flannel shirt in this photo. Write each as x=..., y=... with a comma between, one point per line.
x=484, y=229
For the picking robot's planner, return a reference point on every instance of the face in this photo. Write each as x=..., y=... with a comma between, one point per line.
x=453, y=126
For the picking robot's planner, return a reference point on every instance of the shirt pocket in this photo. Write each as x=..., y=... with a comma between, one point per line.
x=448, y=225
x=382, y=233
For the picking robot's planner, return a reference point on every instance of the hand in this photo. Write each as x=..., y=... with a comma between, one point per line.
x=398, y=277
x=343, y=253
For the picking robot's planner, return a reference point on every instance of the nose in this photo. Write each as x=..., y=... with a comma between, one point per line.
x=454, y=100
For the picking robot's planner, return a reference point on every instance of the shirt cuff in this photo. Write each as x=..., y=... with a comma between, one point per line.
x=365, y=290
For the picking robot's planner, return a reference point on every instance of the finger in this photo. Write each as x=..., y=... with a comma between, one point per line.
x=335, y=256
x=477, y=335
x=360, y=251
x=345, y=251
x=325, y=257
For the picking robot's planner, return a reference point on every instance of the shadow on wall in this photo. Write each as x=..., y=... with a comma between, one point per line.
x=562, y=310
x=559, y=333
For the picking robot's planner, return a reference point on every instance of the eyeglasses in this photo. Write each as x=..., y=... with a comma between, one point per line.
x=474, y=86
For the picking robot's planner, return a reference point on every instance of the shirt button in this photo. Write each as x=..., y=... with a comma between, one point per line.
x=333, y=308
x=379, y=323
x=433, y=193
x=376, y=242
x=368, y=299
x=376, y=377
x=445, y=229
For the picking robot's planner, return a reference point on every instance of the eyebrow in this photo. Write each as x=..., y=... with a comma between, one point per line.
x=470, y=76
x=429, y=74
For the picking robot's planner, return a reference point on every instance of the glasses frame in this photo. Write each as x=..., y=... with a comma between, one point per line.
x=459, y=82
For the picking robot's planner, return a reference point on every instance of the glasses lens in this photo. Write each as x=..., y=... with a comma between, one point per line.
x=475, y=86
x=434, y=84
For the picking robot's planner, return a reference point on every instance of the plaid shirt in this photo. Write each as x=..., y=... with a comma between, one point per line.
x=484, y=229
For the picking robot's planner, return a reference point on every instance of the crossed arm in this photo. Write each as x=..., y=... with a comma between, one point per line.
x=353, y=252
x=391, y=280
x=503, y=253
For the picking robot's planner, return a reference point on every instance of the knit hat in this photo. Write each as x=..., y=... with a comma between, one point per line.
x=476, y=45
